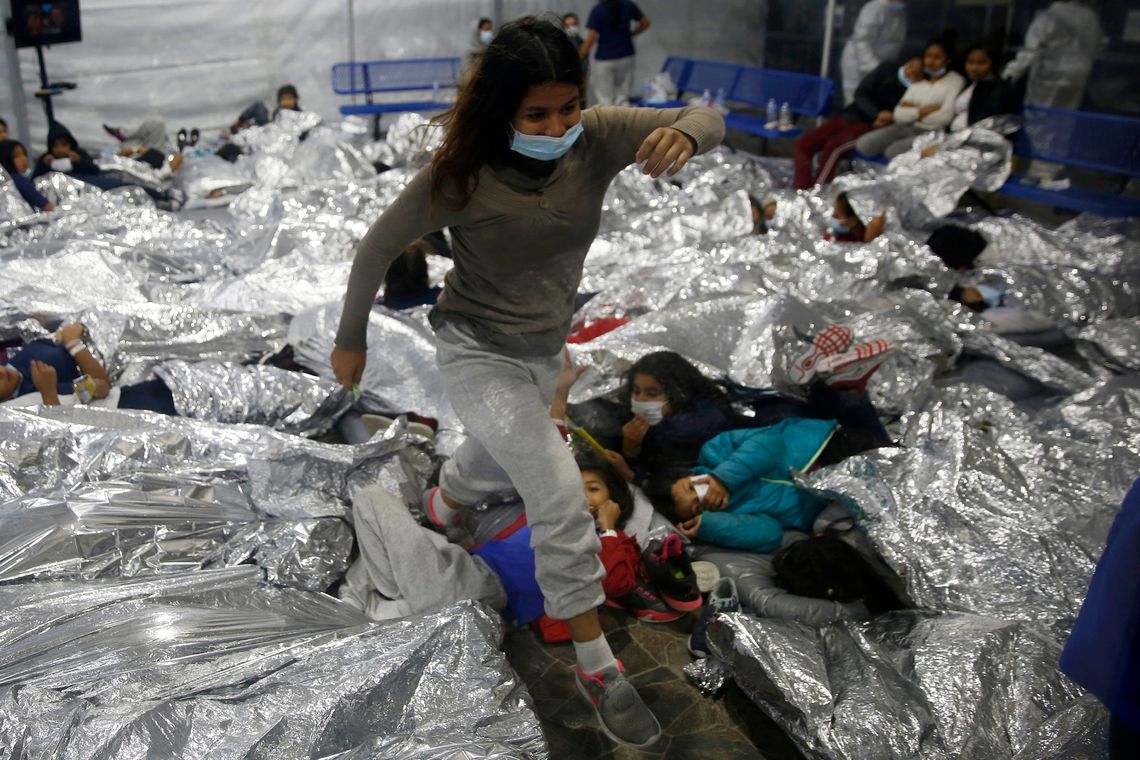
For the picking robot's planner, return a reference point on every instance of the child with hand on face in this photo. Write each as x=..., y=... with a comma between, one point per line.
x=845, y=226
x=14, y=159
x=741, y=495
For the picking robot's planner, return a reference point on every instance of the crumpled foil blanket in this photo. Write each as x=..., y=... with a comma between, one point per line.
x=93, y=493
x=991, y=514
x=216, y=664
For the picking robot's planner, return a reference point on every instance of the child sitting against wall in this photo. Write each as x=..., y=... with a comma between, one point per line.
x=14, y=159
x=65, y=155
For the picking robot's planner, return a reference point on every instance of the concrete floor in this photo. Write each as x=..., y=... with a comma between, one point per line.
x=727, y=727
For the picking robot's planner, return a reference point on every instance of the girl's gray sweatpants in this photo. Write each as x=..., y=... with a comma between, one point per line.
x=504, y=402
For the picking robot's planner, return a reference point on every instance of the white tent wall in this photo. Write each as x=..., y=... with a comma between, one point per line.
x=194, y=64
x=416, y=28
x=200, y=63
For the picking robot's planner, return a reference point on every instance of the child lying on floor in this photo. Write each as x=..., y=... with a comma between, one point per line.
x=741, y=496
x=407, y=569
x=674, y=409
x=847, y=227
x=48, y=373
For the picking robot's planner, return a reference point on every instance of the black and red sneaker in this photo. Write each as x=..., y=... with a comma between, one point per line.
x=642, y=603
x=670, y=572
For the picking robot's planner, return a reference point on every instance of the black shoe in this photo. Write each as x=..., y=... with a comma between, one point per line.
x=194, y=135
x=182, y=142
x=114, y=132
x=645, y=605
x=668, y=568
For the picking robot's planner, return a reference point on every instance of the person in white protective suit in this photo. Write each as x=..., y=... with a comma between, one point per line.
x=880, y=30
x=1060, y=45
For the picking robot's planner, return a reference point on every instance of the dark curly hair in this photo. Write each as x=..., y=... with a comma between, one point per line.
x=659, y=489
x=615, y=484
x=683, y=383
x=827, y=567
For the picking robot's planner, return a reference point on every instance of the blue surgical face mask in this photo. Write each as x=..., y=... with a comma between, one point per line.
x=991, y=295
x=902, y=77
x=935, y=73
x=838, y=227
x=486, y=35
x=545, y=148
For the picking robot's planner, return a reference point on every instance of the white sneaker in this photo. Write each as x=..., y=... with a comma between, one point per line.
x=835, y=339
x=707, y=575
x=851, y=370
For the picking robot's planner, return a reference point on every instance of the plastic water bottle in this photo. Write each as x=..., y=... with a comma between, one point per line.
x=718, y=104
x=785, y=117
x=706, y=98
x=772, y=113
x=435, y=92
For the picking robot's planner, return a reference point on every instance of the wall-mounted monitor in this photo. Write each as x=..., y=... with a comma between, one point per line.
x=47, y=22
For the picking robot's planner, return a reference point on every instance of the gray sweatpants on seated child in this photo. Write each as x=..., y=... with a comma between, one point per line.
x=890, y=141
x=504, y=402
x=415, y=567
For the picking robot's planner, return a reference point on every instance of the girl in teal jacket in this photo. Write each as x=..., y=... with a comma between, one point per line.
x=741, y=494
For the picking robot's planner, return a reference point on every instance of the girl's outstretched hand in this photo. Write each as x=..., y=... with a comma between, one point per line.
x=665, y=151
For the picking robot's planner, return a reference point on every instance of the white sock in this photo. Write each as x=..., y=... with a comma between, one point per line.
x=445, y=514
x=379, y=608
x=594, y=655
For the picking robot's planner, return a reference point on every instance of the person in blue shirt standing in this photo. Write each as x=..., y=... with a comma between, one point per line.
x=611, y=26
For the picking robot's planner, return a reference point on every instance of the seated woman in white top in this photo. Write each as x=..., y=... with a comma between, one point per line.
x=928, y=105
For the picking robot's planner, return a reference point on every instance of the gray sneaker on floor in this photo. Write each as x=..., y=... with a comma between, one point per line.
x=621, y=713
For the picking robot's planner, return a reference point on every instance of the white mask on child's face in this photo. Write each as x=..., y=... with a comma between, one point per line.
x=700, y=488
x=652, y=411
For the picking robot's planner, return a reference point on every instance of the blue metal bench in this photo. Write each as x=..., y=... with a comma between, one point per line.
x=369, y=78
x=1097, y=141
x=806, y=95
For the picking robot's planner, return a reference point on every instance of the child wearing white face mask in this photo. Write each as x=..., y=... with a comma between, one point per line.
x=675, y=409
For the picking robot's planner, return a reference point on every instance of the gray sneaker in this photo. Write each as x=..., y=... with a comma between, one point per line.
x=621, y=713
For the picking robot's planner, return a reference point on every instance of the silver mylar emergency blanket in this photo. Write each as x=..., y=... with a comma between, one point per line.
x=993, y=513
x=216, y=664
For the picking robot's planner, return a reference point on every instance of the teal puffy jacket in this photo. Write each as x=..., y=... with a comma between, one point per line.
x=753, y=465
